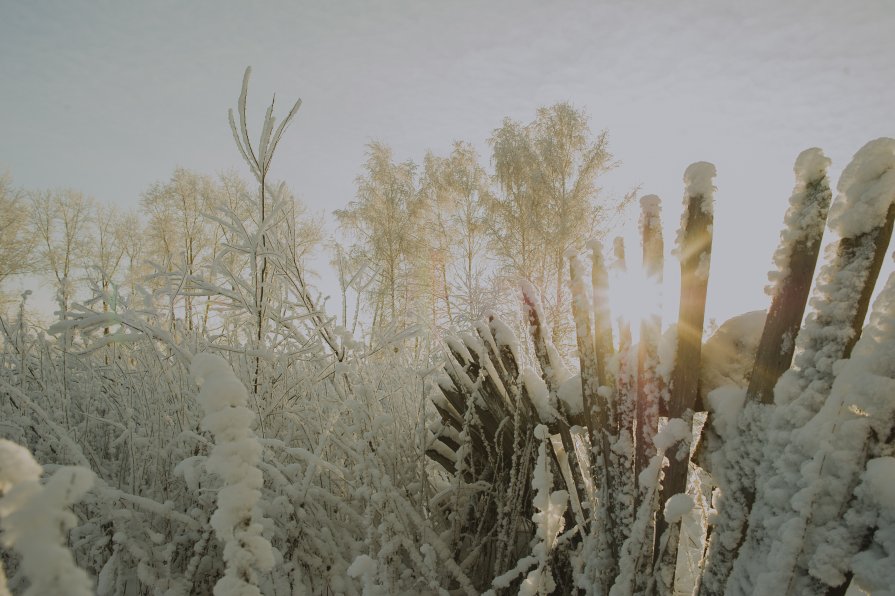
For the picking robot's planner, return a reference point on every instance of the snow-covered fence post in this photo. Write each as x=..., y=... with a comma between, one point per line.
x=34, y=517
x=235, y=458
x=603, y=344
x=594, y=412
x=850, y=436
x=649, y=385
x=595, y=402
x=550, y=505
x=863, y=216
x=795, y=260
x=695, y=249
x=621, y=487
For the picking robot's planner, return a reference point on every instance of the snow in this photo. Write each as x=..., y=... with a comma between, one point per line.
x=35, y=520
x=457, y=345
x=699, y=182
x=667, y=353
x=806, y=215
x=16, y=466
x=677, y=506
x=651, y=204
x=235, y=458
x=729, y=354
x=505, y=580
x=874, y=515
x=539, y=394
x=442, y=449
x=363, y=565
x=866, y=189
x=337, y=463
x=570, y=393
x=827, y=416
x=673, y=431
x=725, y=404
x=703, y=268
x=548, y=518
x=811, y=165
x=880, y=480
x=559, y=373
x=504, y=336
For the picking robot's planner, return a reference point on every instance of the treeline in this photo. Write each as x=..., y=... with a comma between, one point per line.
x=436, y=244
x=448, y=240
x=178, y=234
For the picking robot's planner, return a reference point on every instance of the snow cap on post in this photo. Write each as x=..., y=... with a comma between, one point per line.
x=866, y=189
x=650, y=212
x=650, y=204
x=699, y=182
x=811, y=165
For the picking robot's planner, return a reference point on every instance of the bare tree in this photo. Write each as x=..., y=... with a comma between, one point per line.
x=60, y=221
x=179, y=233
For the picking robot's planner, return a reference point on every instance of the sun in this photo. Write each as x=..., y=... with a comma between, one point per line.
x=634, y=299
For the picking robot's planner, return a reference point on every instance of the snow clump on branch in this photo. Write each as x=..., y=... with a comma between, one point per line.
x=235, y=458
x=35, y=518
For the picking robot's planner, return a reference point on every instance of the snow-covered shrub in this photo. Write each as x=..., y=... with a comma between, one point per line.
x=34, y=517
x=338, y=430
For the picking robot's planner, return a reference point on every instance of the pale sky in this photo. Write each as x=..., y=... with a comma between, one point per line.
x=108, y=97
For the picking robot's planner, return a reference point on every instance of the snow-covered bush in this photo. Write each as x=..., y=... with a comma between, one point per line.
x=34, y=517
x=338, y=442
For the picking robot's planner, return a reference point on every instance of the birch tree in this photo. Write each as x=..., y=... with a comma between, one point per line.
x=179, y=233
x=59, y=221
x=547, y=173
x=15, y=242
x=454, y=190
x=383, y=219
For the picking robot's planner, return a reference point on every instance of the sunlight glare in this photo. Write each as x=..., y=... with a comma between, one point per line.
x=633, y=298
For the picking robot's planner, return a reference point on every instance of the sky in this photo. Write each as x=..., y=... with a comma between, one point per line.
x=109, y=97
